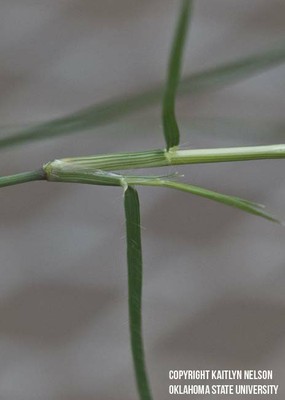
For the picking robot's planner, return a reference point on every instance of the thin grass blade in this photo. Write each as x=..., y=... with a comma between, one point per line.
x=107, y=112
x=244, y=205
x=170, y=125
x=135, y=277
x=230, y=73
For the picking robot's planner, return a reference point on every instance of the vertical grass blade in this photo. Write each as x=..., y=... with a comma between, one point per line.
x=134, y=258
x=170, y=126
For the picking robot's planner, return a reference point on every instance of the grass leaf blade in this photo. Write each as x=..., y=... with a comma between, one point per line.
x=106, y=112
x=134, y=258
x=233, y=201
x=232, y=72
x=170, y=126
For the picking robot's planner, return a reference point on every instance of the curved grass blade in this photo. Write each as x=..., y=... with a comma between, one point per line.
x=233, y=201
x=106, y=112
x=170, y=126
x=135, y=276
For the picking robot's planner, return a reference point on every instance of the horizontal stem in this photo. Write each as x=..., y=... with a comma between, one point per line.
x=159, y=158
x=22, y=178
x=93, y=169
x=227, y=154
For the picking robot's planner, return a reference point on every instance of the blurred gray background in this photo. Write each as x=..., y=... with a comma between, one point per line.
x=214, y=277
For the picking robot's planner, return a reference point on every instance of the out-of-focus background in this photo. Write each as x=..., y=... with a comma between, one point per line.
x=214, y=277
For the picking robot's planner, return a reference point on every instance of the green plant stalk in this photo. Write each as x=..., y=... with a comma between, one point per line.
x=86, y=171
x=59, y=169
x=23, y=177
x=77, y=168
x=135, y=277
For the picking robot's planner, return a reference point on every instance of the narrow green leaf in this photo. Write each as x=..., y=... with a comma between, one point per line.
x=244, y=205
x=233, y=201
x=135, y=276
x=170, y=126
x=83, y=120
x=232, y=72
x=97, y=115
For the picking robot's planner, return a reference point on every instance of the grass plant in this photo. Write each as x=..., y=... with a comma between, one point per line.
x=102, y=169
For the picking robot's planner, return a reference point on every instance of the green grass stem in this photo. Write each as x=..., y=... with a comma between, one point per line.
x=161, y=158
x=22, y=177
x=77, y=169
